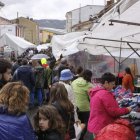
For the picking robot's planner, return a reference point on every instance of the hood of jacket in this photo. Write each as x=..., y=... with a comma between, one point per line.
x=81, y=82
x=93, y=91
x=24, y=69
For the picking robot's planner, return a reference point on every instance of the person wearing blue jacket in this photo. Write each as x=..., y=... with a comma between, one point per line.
x=25, y=74
x=14, y=124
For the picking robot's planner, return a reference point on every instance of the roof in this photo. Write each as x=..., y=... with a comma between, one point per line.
x=4, y=19
x=24, y=18
x=54, y=30
x=85, y=6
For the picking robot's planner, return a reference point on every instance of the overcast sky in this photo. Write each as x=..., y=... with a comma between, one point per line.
x=43, y=9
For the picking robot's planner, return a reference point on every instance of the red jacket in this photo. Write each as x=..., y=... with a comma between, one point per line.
x=104, y=109
x=119, y=130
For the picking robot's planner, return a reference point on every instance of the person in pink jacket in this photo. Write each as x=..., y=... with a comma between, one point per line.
x=104, y=109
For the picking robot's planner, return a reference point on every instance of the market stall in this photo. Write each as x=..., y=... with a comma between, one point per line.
x=17, y=44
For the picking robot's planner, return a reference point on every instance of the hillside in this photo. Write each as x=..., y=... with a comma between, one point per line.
x=50, y=23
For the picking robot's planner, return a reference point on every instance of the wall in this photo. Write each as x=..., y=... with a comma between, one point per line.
x=11, y=29
x=31, y=30
x=81, y=15
x=44, y=36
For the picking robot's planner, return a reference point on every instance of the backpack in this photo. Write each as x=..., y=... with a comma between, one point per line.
x=121, y=129
x=39, y=77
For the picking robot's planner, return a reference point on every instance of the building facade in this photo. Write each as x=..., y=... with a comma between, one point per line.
x=79, y=19
x=30, y=29
x=6, y=26
x=46, y=34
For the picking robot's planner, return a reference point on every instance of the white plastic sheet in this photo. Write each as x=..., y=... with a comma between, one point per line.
x=66, y=44
x=43, y=46
x=125, y=10
x=17, y=44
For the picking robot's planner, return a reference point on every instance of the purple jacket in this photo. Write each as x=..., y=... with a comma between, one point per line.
x=104, y=109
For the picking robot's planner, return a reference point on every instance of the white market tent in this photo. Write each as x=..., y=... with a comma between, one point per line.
x=117, y=33
x=119, y=29
x=43, y=46
x=66, y=44
x=17, y=44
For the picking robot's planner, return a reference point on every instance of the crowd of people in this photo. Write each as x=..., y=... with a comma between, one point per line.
x=69, y=105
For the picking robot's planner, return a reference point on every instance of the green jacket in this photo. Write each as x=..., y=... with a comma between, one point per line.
x=48, y=77
x=81, y=88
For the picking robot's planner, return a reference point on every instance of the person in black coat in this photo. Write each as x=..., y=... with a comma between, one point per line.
x=48, y=124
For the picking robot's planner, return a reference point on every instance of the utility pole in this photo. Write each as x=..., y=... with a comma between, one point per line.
x=80, y=13
x=17, y=15
x=79, y=27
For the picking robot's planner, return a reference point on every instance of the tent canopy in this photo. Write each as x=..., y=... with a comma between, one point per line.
x=17, y=44
x=66, y=44
x=43, y=46
x=117, y=30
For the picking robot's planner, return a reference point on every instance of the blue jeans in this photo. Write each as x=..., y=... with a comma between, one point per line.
x=39, y=96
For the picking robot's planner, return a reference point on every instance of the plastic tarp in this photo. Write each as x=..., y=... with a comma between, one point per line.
x=17, y=44
x=120, y=34
x=66, y=44
x=105, y=37
x=43, y=46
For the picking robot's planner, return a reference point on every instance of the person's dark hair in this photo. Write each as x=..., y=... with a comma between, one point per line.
x=128, y=70
x=87, y=75
x=59, y=93
x=79, y=70
x=52, y=64
x=4, y=65
x=72, y=69
x=109, y=77
x=24, y=61
x=51, y=113
x=19, y=60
